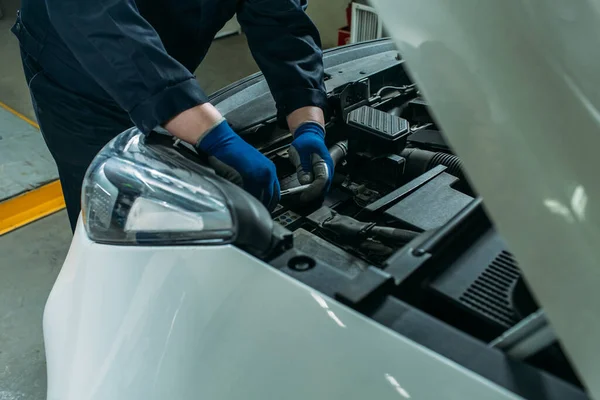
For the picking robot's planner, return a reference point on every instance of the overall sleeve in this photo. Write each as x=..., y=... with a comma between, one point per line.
x=286, y=46
x=125, y=55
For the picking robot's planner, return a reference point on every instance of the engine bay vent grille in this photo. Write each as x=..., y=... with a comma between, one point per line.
x=490, y=293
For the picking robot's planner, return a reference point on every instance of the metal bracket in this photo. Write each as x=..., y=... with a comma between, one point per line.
x=355, y=95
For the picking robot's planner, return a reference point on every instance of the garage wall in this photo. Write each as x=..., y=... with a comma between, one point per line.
x=328, y=16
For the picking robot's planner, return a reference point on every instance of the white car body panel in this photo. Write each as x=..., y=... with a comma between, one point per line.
x=515, y=87
x=143, y=323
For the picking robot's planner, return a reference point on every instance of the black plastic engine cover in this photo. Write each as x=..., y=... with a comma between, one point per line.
x=432, y=205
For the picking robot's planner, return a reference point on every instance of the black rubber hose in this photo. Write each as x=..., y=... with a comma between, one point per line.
x=419, y=161
x=450, y=161
x=338, y=151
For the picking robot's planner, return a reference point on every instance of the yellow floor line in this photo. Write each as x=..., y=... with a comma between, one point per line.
x=33, y=205
x=18, y=114
x=30, y=206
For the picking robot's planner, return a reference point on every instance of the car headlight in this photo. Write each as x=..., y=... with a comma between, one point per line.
x=141, y=190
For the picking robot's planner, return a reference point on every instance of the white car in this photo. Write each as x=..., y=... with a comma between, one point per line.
x=180, y=285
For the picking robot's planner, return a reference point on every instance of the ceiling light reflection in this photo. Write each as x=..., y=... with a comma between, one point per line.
x=556, y=207
x=321, y=301
x=401, y=391
x=579, y=202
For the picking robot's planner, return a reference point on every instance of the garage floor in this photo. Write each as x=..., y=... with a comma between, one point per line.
x=32, y=256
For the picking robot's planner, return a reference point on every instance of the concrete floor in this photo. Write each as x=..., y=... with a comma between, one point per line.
x=31, y=259
x=32, y=256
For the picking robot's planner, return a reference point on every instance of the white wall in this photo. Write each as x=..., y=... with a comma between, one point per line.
x=328, y=16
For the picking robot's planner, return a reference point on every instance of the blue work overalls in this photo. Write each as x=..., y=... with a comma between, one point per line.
x=97, y=67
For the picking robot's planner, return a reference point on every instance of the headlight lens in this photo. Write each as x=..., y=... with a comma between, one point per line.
x=137, y=192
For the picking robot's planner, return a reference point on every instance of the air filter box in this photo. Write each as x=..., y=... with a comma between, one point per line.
x=376, y=132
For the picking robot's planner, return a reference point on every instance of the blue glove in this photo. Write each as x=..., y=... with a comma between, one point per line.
x=311, y=158
x=240, y=163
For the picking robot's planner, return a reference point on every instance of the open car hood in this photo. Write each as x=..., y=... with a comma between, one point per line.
x=515, y=87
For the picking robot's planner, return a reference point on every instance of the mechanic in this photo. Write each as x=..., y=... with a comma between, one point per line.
x=96, y=67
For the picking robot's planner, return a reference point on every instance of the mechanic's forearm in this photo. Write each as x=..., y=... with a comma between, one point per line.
x=192, y=124
x=305, y=114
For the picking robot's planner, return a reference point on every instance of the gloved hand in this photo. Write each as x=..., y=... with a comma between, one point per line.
x=311, y=158
x=240, y=163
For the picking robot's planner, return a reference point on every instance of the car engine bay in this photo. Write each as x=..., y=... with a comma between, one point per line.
x=403, y=238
